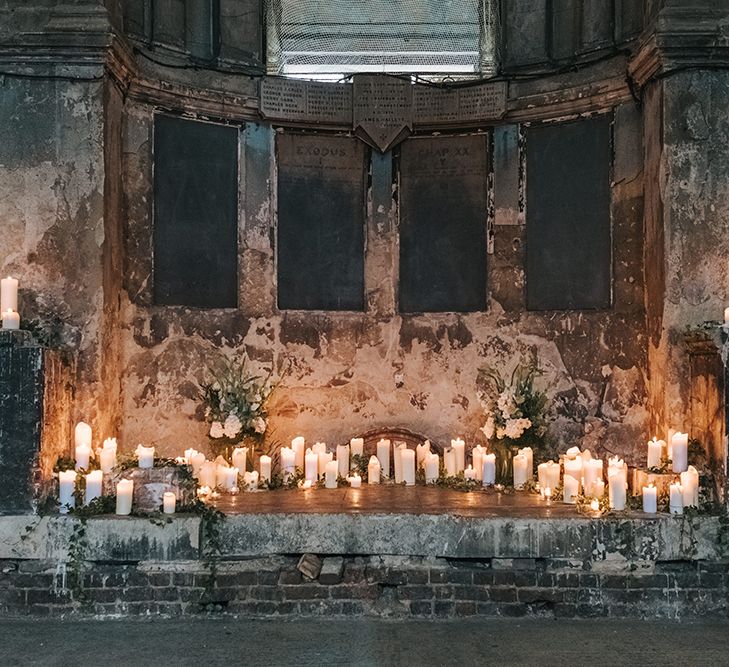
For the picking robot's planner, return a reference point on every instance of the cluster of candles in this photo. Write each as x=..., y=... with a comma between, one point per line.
x=94, y=480
x=683, y=493
x=9, y=303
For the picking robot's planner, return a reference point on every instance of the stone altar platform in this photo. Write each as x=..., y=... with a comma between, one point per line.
x=376, y=552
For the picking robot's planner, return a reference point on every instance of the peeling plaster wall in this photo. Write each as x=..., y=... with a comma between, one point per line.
x=691, y=245
x=352, y=372
x=52, y=207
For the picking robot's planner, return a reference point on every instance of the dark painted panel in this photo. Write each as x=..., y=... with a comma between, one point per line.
x=524, y=33
x=241, y=30
x=443, y=224
x=195, y=213
x=321, y=214
x=568, y=215
x=169, y=22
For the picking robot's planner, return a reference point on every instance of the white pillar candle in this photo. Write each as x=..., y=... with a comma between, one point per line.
x=196, y=461
x=591, y=473
x=679, y=451
x=573, y=467
x=449, y=461
x=477, y=454
x=93, y=485
x=489, y=469
x=83, y=456
x=355, y=481
x=570, y=490
x=520, y=462
x=221, y=476
x=469, y=473
x=655, y=452
x=250, y=479
x=11, y=320
x=107, y=455
x=598, y=489
x=319, y=447
x=330, y=475
x=145, y=456
x=207, y=474
x=407, y=463
x=383, y=456
x=459, y=447
x=374, y=470
x=343, y=460
x=397, y=460
x=650, y=499
x=548, y=475
x=586, y=455
x=529, y=454
x=617, y=483
x=676, y=498
x=238, y=458
x=726, y=315
x=288, y=462
x=422, y=452
x=231, y=479
x=432, y=468
x=66, y=487
x=169, y=500
x=356, y=447
x=189, y=453
x=573, y=453
x=124, y=494
x=669, y=444
x=265, y=463
x=298, y=444
x=8, y=294
x=324, y=458
x=690, y=486
x=311, y=466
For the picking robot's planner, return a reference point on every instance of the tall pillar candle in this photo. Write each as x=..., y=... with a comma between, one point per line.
x=83, y=456
x=529, y=455
x=431, y=464
x=169, y=501
x=8, y=294
x=343, y=460
x=356, y=447
x=397, y=460
x=617, y=481
x=145, y=456
x=196, y=461
x=488, y=477
x=298, y=444
x=374, y=470
x=407, y=462
x=82, y=434
x=207, y=474
x=330, y=475
x=477, y=454
x=311, y=466
x=93, y=486
x=650, y=499
x=107, y=455
x=573, y=468
x=265, y=463
x=124, y=495
x=520, y=462
x=655, y=453
x=449, y=461
x=548, y=475
x=66, y=488
x=422, y=451
x=239, y=458
x=288, y=462
x=570, y=490
x=459, y=447
x=383, y=455
x=675, y=502
x=690, y=486
x=221, y=475
x=679, y=451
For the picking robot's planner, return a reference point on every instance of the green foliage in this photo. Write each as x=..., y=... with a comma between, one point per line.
x=359, y=464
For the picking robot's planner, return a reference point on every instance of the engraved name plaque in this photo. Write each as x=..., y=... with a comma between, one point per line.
x=306, y=101
x=383, y=110
x=459, y=106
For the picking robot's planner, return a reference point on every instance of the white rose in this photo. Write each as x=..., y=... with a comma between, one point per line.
x=259, y=425
x=232, y=426
x=216, y=430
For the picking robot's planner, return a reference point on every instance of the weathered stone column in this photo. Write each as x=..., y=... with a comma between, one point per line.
x=36, y=391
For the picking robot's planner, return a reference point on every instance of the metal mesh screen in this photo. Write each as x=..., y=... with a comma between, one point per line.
x=330, y=39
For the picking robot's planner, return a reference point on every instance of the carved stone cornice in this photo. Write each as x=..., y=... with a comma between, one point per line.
x=693, y=35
